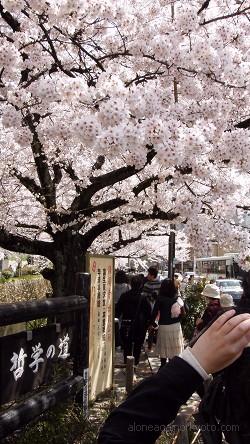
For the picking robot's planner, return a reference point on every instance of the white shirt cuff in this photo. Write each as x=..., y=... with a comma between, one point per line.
x=188, y=356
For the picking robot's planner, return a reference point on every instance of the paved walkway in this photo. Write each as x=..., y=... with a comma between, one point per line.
x=149, y=364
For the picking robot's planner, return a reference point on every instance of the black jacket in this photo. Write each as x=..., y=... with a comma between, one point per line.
x=134, y=306
x=151, y=406
x=163, y=305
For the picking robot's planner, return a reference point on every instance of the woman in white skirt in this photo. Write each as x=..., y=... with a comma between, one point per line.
x=168, y=310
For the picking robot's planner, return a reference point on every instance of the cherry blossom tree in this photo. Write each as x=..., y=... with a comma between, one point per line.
x=120, y=113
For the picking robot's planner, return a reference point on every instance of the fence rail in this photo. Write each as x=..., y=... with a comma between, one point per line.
x=34, y=406
x=69, y=314
x=26, y=311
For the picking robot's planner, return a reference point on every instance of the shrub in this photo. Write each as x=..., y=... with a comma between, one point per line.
x=196, y=305
x=29, y=269
x=7, y=274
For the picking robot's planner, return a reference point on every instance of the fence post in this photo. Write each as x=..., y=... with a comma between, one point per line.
x=129, y=373
x=182, y=435
x=83, y=282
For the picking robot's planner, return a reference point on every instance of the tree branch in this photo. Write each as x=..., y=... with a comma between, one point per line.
x=53, y=53
x=109, y=205
x=211, y=76
x=224, y=17
x=91, y=56
x=21, y=244
x=97, y=230
x=144, y=77
x=243, y=124
x=57, y=173
x=30, y=185
x=72, y=174
x=106, y=206
x=144, y=184
x=108, y=179
x=98, y=163
x=156, y=214
x=27, y=226
x=123, y=243
x=204, y=6
x=41, y=161
x=107, y=224
x=9, y=19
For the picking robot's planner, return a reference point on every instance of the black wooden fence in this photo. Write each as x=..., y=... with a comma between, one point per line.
x=27, y=358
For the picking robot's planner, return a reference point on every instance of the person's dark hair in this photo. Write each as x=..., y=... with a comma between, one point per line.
x=168, y=289
x=121, y=277
x=153, y=271
x=136, y=282
x=142, y=278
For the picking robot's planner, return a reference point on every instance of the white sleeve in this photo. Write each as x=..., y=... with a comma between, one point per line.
x=188, y=356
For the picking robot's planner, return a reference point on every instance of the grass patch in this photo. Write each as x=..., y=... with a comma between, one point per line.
x=64, y=424
x=26, y=277
x=60, y=425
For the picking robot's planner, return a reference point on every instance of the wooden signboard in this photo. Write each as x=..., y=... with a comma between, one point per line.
x=101, y=269
x=27, y=358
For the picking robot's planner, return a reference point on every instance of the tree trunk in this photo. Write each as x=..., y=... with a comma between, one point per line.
x=69, y=258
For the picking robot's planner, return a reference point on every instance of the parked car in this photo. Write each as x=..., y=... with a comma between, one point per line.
x=232, y=287
x=189, y=273
x=163, y=275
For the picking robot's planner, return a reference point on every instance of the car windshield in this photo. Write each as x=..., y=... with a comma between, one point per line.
x=228, y=283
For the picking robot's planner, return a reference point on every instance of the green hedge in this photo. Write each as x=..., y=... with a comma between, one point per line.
x=196, y=305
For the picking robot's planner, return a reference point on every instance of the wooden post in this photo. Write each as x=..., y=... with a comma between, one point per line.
x=171, y=252
x=182, y=435
x=129, y=373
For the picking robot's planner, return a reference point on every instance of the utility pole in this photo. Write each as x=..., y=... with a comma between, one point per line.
x=171, y=251
x=171, y=240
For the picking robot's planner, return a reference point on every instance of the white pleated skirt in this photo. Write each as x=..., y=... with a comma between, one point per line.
x=169, y=340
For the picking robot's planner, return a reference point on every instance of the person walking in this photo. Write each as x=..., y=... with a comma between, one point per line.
x=121, y=286
x=226, y=301
x=150, y=291
x=212, y=295
x=152, y=285
x=169, y=307
x=135, y=311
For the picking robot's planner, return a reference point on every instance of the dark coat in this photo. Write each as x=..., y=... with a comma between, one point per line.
x=135, y=307
x=151, y=406
x=210, y=313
